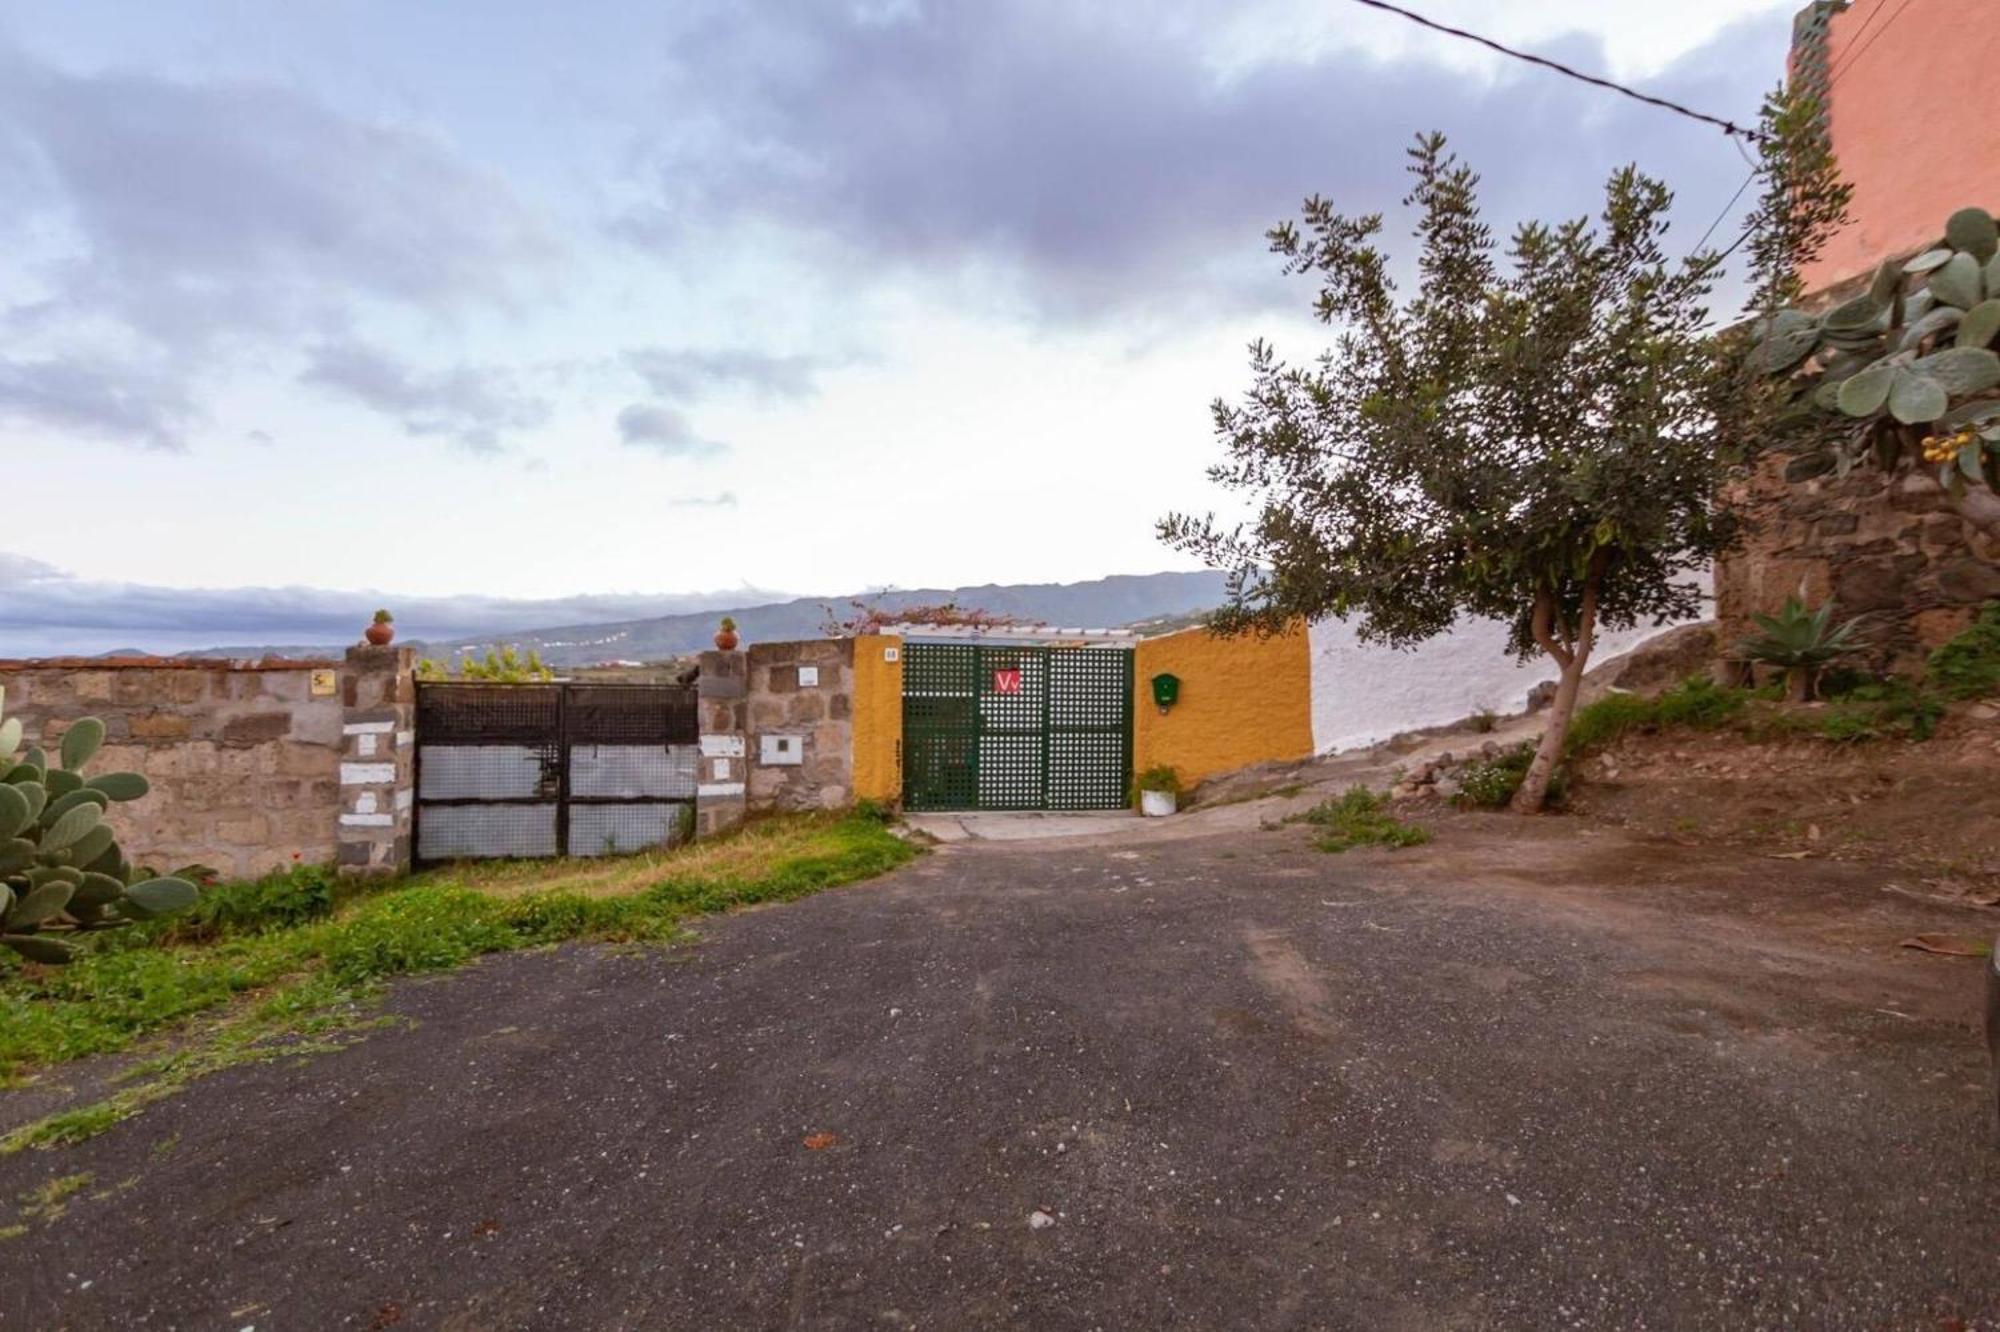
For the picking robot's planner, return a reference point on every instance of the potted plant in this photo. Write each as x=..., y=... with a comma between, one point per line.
x=382, y=630
x=1159, y=791
x=725, y=637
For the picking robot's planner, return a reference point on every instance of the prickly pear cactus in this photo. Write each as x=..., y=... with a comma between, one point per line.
x=61, y=870
x=1909, y=361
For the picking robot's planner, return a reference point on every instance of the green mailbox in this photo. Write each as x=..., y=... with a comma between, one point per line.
x=1166, y=690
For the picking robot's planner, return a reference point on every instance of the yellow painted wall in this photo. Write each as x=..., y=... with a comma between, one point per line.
x=1243, y=700
x=878, y=719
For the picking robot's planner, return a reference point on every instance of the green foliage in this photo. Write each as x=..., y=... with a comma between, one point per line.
x=1969, y=665
x=383, y=617
x=1802, y=200
x=1875, y=710
x=1796, y=636
x=276, y=901
x=1904, y=371
x=1697, y=703
x=61, y=870
x=1537, y=434
x=1160, y=777
x=1359, y=817
x=1491, y=783
x=502, y=665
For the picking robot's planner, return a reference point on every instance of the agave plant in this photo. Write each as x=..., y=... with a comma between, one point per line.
x=61, y=870
x=1800, y=641
x=1909, y=362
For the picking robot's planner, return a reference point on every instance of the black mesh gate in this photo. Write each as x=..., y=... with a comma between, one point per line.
x=553, y=769
x=1003, y=727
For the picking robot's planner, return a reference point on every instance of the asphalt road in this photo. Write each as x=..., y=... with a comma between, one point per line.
x=1222, y=1083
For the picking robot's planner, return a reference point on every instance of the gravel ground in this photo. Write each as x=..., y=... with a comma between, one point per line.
x=1227, y=1082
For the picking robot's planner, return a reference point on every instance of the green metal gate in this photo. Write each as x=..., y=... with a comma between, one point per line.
x=1003, y=727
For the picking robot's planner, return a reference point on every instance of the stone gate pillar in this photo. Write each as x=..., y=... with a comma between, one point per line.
x=723, y=687
x=377, y=760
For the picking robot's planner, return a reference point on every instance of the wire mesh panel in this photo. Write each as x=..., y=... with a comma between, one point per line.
x=1090, y=728
x=1013, y=713
x=553, y=769
x=1007, y=727
x=941, y=726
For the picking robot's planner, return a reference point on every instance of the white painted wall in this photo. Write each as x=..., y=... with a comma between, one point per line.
x=1363, y=693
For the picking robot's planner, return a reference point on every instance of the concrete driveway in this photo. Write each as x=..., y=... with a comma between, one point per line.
x=1516, y=1079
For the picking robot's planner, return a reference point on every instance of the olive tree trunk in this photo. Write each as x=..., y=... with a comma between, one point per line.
x=1571, y=651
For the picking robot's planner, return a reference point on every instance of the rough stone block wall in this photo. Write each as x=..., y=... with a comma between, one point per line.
x=800, y=699
x=243, y=758
x=1890, y=548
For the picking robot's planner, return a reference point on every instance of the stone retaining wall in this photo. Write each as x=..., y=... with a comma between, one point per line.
x=1889, y=548
x=243, y=758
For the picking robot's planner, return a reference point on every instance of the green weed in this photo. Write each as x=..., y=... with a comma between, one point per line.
x=1696, y=703
x=1969, y=665
x=48, y=1199
x=1359, y=817
x=1491, y=783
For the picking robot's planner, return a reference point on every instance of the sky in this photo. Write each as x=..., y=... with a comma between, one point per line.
x=451, y=305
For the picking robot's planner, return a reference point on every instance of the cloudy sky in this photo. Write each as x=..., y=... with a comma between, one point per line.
x=519, y=300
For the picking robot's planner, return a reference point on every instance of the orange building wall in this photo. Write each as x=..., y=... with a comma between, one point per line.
x=1912, y=125
x=1243, y=700
x=878, y=718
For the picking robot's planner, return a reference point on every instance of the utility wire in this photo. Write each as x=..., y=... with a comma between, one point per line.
x=1859, y=33
x=1862, y=49
x=1724, y=213
x=1726, y=126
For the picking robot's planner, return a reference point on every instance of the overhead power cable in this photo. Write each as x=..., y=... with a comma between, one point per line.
x=1728, y=127
x=1861, y=47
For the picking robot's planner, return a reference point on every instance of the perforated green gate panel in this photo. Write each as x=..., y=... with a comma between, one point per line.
x=1001, y=727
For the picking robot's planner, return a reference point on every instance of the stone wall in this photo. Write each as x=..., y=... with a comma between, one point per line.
x=800, y=724
x=243, y=758
x=1889, y=548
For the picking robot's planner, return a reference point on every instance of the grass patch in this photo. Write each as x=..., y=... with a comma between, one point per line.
x=1696, y=703
x=312, y=975
x=1969, y=665
x=1855, y=709
x=1359, y=818
x=1491, y=783
x=48, y=1199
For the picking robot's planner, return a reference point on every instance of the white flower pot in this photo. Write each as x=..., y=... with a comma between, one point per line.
x=1156, y=804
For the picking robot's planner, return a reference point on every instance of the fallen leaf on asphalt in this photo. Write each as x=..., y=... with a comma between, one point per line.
x=819, y=1142
x=1949, y=945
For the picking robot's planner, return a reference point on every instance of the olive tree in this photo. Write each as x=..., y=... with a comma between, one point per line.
x=1534, y=434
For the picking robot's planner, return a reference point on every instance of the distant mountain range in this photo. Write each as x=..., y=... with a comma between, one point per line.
x=1101, y=603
